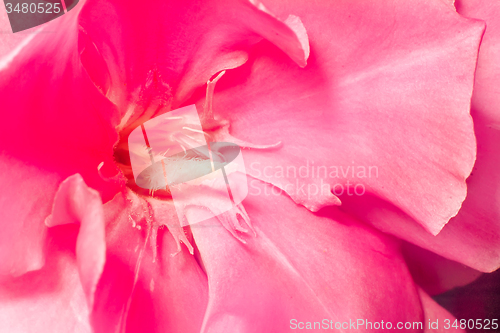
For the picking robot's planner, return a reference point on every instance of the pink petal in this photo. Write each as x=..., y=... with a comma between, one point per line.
x=473, y=236
x=50, y=300
x=76, y=203
x=486, y=89
x=380, y=91
x=169, y=294
x=477, y=224
x=301, y=266
x=27, y=193
x=437, y=319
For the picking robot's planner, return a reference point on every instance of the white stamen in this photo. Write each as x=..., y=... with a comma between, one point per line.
x=207, y=107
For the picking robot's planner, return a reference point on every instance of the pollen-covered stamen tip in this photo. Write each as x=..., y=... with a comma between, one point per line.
x=240, y=210
x=118, y=178
x=153, y=240
x=230, y=221
x=179, y=237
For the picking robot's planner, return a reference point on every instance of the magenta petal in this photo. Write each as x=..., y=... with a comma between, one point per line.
x=64, y=127
x=50, y=300
x=169, y=293
x=158, y=57
x=371, y=96
x=301, y=266
x=76, y=203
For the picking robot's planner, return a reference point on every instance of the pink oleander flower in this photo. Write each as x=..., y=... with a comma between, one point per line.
x=370, y=100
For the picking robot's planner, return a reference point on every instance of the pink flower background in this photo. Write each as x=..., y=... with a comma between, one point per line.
x=412, y=88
